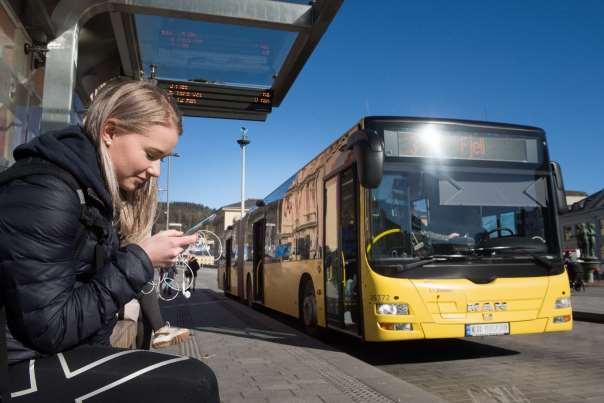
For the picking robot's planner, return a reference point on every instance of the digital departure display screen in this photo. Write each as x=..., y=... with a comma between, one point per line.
x=191, y=95
x=430, y=142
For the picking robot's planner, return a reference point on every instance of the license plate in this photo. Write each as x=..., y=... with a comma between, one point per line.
x=488, y=329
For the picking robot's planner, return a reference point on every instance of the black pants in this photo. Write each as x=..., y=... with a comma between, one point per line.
x=193, y=279
x=103, y=374
x=150, y=309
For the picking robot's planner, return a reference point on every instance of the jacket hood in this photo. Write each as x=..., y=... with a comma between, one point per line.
x=72, y=150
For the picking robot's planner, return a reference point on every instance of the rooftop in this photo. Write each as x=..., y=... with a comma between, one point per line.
x=590, y=202
x=249, y=203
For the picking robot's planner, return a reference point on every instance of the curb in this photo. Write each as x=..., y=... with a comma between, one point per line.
x=588, y=317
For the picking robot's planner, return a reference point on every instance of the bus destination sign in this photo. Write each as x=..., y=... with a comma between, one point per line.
x=192, y=96
x=457, y=145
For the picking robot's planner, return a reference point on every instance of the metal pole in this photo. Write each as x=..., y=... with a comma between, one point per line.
x=168, y=192
x=243, y=141
x=168, y=188
x=242, y=180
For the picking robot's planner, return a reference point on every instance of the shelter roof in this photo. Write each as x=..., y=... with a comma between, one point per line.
x=220, y=58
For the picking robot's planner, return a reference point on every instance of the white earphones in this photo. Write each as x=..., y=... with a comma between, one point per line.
x=186, y=293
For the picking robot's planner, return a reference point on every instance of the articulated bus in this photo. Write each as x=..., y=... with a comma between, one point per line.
x=411, y=228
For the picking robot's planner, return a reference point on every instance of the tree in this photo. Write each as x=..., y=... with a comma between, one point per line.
x=186, y=213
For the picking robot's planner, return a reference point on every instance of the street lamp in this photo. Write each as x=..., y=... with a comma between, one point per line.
x=168, y=188
x=243, y=141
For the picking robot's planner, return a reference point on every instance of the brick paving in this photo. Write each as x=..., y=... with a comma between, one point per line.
x=259, y=359
x=554, y=367
x=589, y=304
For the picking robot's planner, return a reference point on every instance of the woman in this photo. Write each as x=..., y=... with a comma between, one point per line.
x=72, y=253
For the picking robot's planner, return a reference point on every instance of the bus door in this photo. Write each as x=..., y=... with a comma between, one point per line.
x=259, y=230
x=341, y=253
x=227, y=265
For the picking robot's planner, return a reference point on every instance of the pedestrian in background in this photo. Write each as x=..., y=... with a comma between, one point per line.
x=191, y=275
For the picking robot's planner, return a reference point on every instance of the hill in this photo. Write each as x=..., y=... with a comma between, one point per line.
x=186, y=213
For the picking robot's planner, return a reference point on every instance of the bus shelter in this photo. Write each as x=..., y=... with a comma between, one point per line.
x=232, y=59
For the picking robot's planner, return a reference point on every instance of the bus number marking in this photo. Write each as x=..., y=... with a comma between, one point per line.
x=379, y=298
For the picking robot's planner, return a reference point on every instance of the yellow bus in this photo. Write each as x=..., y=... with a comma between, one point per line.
x=411, y=228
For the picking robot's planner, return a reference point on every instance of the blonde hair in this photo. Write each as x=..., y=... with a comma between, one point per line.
x=134, y=106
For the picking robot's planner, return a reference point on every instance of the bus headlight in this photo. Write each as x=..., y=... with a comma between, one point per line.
x=407, y=327
x=392, y=309
x=562, y=319
x=562, y=302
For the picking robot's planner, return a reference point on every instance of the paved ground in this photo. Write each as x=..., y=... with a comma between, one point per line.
x=555, y=367
x=258, y=359
x=560, y=367
x=589, y=304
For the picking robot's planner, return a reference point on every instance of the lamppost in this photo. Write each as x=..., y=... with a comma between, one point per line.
x=168, y=189
x=243, y=141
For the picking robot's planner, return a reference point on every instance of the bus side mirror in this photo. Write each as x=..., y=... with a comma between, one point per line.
x=368, y=149
x=559, y=187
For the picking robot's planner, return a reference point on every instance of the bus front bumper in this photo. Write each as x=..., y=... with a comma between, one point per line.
x=401, y=329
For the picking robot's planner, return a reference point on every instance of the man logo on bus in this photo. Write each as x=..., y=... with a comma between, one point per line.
x=488, y=307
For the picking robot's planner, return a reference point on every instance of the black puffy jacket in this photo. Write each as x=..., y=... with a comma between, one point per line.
x=55, y=296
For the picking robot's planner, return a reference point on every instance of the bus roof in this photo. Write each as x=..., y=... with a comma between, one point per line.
x=475, y=123
x=365, y=121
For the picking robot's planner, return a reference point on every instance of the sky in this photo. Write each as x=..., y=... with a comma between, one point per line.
x=538, y=63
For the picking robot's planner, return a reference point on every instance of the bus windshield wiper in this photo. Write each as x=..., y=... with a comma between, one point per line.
x=542, y=261
x=427, y=260
x=495, y=249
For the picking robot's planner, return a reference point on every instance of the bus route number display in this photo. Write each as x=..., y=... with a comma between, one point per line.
x=200, y=96
x=461, y=146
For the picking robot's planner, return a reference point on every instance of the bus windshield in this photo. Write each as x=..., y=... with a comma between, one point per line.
x=459, y=211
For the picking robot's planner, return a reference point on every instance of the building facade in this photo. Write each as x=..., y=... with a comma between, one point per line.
x=589, y=210
x=224, y=218
x=573, y=196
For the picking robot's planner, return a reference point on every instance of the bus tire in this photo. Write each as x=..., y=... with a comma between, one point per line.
x=308, y=307
x=249, y=291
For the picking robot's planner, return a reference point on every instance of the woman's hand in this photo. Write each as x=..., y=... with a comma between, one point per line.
x=164, y=247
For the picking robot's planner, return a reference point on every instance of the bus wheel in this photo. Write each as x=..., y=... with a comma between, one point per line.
x=248, y=292
x=308, y=308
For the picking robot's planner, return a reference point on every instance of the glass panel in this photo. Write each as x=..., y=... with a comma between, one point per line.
x=508, y=223
x=333, y=261
x=279, y=193
x=331, y=217
x=210, y=52
x=410, y=218
x=489, y=223
x=350, y=278
x=12, y=134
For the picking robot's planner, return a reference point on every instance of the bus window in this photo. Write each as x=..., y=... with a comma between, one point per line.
x=282, y=251
x=303, y=247
x=349, y=237
x=421, y=214
x=341, y=252
x=332, y=261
